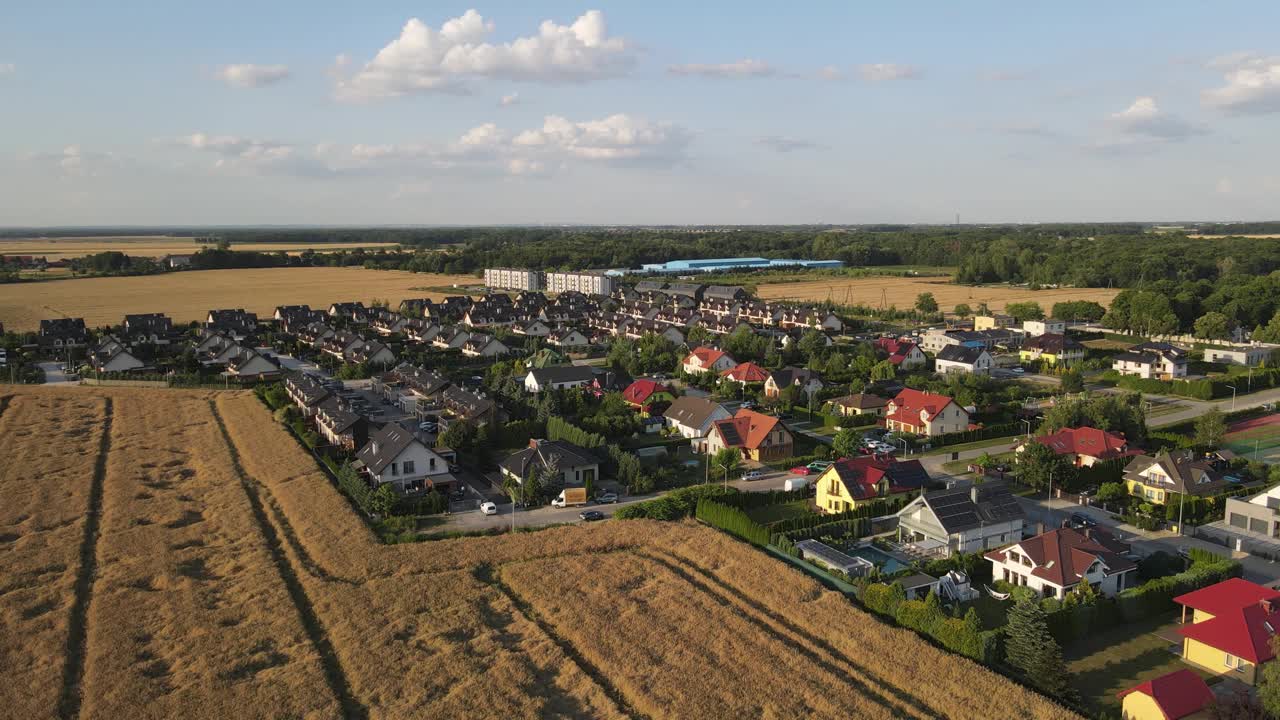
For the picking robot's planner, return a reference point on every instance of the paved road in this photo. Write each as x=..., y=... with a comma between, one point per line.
x=53, y=374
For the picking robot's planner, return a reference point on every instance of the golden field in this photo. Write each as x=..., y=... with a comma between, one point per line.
x=901, y=293
x=233, y=581
x=152, y=246
x=190, y=295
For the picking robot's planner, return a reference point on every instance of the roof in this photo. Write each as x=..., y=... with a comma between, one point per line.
x=1088, y=441
x=910, y=403
x=961, y=509
x=898, y=349
x=1178, y=694
x=961, y=354
x=862, y=475
x=748, y=429
x=793, y=376
x=747, y=372
x=1190, y=474
x=1245, y=632
x=691, y=411
x=862, y=401
x=639, y=392
x=915, y=580
x=1232, y=593
x=562, y=373
x=1052, y=343
x=541, y=452
x=1063, y=556
x=384, y=446
x=706, y=355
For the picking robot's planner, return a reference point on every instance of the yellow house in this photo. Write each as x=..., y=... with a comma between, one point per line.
x=1179, y=695
x=1052, y=349
x=1231, y=627
x=1153, y=477
x=851, y=483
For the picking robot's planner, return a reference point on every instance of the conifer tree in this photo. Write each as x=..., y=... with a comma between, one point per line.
x=1030, y=648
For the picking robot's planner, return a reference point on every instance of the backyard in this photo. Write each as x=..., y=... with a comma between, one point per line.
x=1109, y=662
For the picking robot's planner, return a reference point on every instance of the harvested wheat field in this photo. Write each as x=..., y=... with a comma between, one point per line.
x=232, y=580
x=901, y=293
x=187, y=296
x=153, y=246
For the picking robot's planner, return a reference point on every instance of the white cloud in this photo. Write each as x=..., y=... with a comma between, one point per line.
x=7, y=69
x=509, y=100
x=235, y=152
x=882, y=72
x=1145, y=118
x=1252, y=85
x=75, y=161
x=422, y=59
x=249, y=75
x=785, y=144
x=524, y=166
x=830, y=72
x=743, y=68
x=621, y=138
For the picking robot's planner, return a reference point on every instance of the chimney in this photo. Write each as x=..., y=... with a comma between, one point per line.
x=973, y=493
x=1266, y=606
x=1088, y=533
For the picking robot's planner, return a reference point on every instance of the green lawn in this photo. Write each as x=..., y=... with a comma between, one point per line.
x=1107, y=663
x=1005, y=442
x=770, y=514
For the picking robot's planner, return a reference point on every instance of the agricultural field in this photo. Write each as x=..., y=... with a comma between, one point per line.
x=189, y=295
x=901, y=292
x=226, y=577
x=151, y=246
x=1258, y=436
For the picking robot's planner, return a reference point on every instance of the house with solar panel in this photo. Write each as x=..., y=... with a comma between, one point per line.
x=945, y=522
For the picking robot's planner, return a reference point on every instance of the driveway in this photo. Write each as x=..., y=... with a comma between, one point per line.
x=54, y=375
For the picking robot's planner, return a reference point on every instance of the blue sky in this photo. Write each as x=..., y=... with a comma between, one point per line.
x=657, y=112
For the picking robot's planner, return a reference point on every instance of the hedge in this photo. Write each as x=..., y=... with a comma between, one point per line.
x=963, y=636
x=733, y=521
x=1156, y=596
x=967, y=436
x=674, y=505
x=560, y=429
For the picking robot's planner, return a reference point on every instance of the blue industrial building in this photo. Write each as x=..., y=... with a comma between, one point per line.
x=720, y=264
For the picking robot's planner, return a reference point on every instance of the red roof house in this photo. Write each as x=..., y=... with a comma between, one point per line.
x=925, y=413
x=1234, y=617
x=901, y=351
x=1176, y=695
x=705, y=358
x=759, y=436
x=747, y=372
x=1087, y=445
x=644, y=392
x=1060, y=559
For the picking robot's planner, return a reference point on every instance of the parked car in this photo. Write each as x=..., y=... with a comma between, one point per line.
x=591, y=515
x=753, y=475
x=428, y=427
x=874, y=434
x=1017, y=371
x=818, y=466
x=748, y=404
x=802, y=470
x=608, y=497
x=1089, y=492
x=1080, y=521
x=488, y=508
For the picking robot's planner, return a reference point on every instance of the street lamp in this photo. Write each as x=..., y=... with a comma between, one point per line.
x=1233, y=397
x=1051, y=496
x=1028, y=424
x=726, y=474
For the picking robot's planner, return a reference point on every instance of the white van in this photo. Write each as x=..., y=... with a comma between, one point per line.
x=795, y=484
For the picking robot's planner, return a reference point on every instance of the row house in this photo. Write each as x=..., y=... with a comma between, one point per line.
x=353, y=311
x=340, y=426
x=385, y=322
x=422, y=331
x=488, y=316
x=149, y=328
x=567, y=338
x=639, y=328
x=723, y=325
x=296, y=316
x=760, y=314
x=481, y=345
x=451, y=337
x=563, y=313
x=237, y=323
x=314, y=333
x=372, y=353
x=251, y=366
x=341, y=344
x=682, y=317
x=719, y=308
x=465, y=406
x=640, y=310
x=112, y=356
x=612, y=324
x=731, y=293
x=810, y=318
x=532, y=328
x=306, y=392
x=414, y=389
x=415, y=307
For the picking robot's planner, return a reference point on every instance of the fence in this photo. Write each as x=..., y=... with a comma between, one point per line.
x=124, y=383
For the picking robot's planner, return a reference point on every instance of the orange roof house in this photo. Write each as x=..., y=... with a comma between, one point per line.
x=747, y=372
x=758, y=436
x=925, y=413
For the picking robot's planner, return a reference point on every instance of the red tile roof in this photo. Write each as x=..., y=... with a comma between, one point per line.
x=909, y=403
x=1088, y=441
x=1245, y=618
x=706, y=356
x=639, y=392
x=748, y=429
x=1179, y=694
x=897, y=349
x=1063, y=556
x=747, y=372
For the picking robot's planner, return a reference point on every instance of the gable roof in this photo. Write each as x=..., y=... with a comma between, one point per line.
x=1230, y=594
x=747, y=372
x=862, y=475
x=747, y=429
x=861, y=401
x=707, y=356
x=541, y=452
x=961, y=509
x=1052, y=343
x=1088, y=441
x=793, y=376
x=961, y=354
x=384, y=446
x=562, y=374
x=898, y=349
x=641, y=390
x=1178, y=694
x=1245, y=632
x=1183, y=467
x=1064, y=555
x=691, y=411
x=908, y=404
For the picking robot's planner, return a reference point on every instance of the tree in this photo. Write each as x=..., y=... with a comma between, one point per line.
x=1031, y=649
x=883, y=370
x=1269, y=687
x=962, y=310
x=1240, y=705
x=1072, y=381
x=983, y=309
x=1114, y=413
x=383, y=500
x=1211, y=428
x=727, y=460
x=1038, y=466
x=1213, y=326
x=811, y=343
x=846, y=442
x=1112, y=492
x=1025, y=311
x=926, y=303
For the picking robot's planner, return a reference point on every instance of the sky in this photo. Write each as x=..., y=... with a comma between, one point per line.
x=389, y=112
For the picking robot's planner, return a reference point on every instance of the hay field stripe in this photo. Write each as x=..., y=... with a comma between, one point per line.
x=71, y=700
x=487, y=574
x=798, y=638
x=335, y=675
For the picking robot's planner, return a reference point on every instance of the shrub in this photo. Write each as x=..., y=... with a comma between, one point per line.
x=733, y=521
x=675, y=505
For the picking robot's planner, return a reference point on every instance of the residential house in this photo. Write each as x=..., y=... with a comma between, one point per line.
x=481, y=345
x=315, y=333
x=962, y=359
x=1055, y=562
x=969, y=519
x=561, y=377
x=221, y=354
x=1035, y=328
x=809, y=318
x=148, y=328
x=236, y=323
x=63, y=333
x=760, y=437
x=851, y=483
x=567, y=338
x=644, y=394
x=532, y=328
x=576, y=466
x=1186, y=472
x=924, y=413
x=285, y=312
x=803, y=378
x=1179, y=695
x=1232, y=625
x=904, y=354
x=465, y=406
x=1258, y=515
x=354, y=311
x=385, y=322
x=1246, y=355
x=707, y=359
x=1160, y=361
x=1086, y=446
x=607, y=380
x=1052, y=349
x=857, y=404
x=251, y=366
x=340, y=426
x=211, y=341
x=450, y=337
x=372, y=353
x=393, y=455
x=306, y=392
x=935, y=340
x=341, y=344
x=421, y=331
x=747, y=373
x=175, y=262
x=415, y=307
x=112, y=356
x=693, y=417
x=732, y=293
x=790, y=338
x=488, y=315
x=995, y=321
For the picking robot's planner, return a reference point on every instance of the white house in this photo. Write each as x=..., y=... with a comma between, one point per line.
x=1247, y=355
x=707, y=359
x=373, y=353
x=251, y=365
x=1055, y=562
x=963, y=359
x=1040, y=327
x=567, y=338
x=450, y=338
x=393, y=455
x=112, y=356
x=480, y=345
x=533, y=328
x=944, y=522
x=1152, y=360
x=924, y=413
x=694, y=417
x=560, y=377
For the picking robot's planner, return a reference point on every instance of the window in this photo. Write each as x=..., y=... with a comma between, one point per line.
x=408, y=467
x=394, y=469
x=431, y=463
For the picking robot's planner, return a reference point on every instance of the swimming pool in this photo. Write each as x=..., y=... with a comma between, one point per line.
x=886, y=562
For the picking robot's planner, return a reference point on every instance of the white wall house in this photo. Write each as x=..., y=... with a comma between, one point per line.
x=562, y=377
x=962, y=359
x=1055, y=562
x=393, y=455
x=1040, y=327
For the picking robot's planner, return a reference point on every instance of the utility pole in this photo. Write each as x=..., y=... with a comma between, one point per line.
x=1182, y=499
x=1233, y=397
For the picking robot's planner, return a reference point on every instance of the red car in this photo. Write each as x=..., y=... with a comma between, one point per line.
x=802, y=470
